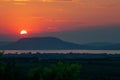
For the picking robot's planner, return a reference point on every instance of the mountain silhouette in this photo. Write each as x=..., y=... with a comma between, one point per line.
x=41, y=43
x=52, y=43
x=4, y=43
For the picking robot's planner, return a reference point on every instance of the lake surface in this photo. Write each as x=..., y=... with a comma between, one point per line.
x=64, y=51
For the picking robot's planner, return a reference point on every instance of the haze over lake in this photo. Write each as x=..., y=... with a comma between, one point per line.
x=64, y=51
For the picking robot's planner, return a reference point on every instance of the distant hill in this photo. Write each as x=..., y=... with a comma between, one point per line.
x=52, y=43
x=4, y=43
x=97, y=44
x=103, y=46
x=41, y=43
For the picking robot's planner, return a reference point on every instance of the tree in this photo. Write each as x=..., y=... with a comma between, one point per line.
x=1, y=54
x=59, y=71
x=9, y=71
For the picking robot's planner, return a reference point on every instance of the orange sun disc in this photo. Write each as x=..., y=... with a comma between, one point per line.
x=23, y=32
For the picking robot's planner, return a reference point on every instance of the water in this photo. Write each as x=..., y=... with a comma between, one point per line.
x=64, y=51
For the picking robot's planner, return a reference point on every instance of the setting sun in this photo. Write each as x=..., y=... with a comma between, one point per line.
x=22, y=32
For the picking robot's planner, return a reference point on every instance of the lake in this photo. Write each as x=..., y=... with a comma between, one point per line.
x=64, y=51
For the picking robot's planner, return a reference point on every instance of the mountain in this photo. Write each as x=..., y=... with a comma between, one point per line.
x=52, y=43
x=103, y=46
x=4, y=43
x=41, y=43
x=98, y=44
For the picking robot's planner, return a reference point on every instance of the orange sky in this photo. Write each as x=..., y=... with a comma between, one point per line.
x=40, y=16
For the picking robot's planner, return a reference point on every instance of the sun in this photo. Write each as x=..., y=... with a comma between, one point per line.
x=23, y=32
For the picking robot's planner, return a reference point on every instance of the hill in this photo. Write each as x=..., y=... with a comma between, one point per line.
x=4, y=43
x=52, y=43
x=41, y=43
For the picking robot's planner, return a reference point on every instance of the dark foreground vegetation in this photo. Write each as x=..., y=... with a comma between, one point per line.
x=32, y=68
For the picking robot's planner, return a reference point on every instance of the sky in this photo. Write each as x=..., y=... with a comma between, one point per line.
x=79, y=21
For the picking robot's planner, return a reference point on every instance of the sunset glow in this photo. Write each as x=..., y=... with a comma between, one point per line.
x=20, y=0
x=44, y=16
